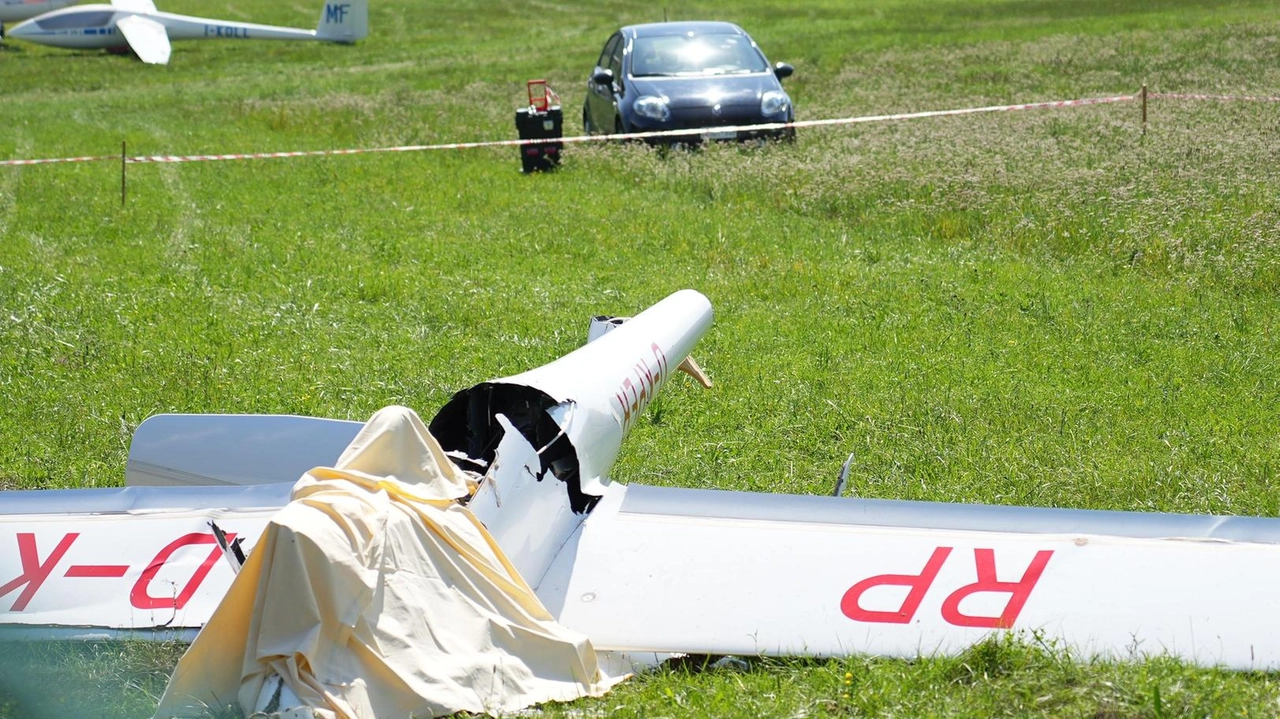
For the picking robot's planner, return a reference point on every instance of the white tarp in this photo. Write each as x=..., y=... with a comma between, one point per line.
x=375, y=594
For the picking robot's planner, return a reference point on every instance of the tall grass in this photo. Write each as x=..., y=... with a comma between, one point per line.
x=1044, y=307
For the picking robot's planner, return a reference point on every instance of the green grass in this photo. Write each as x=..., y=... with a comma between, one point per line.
x=1042, y=308
x=84, y=679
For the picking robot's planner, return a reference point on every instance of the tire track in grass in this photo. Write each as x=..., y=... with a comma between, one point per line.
x=9, y=182
x=177, y=247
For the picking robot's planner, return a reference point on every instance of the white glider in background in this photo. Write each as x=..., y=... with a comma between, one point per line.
x=642, y=569
x=137, y=25
x=15, y=10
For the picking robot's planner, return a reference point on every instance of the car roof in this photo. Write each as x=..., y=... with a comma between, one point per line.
x=701, y=27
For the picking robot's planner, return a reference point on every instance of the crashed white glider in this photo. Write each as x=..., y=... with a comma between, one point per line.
x=642, y=569
x=138, y=26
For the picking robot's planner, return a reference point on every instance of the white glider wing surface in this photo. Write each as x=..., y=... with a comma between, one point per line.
x=147, y=39
x=679, y=570
x=235, y=449
x=642, y=569
x=137, y=561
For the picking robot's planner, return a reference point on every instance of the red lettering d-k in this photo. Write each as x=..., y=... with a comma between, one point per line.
x=33, y=571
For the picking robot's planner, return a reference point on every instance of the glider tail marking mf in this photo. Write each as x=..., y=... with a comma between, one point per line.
x=344, y=21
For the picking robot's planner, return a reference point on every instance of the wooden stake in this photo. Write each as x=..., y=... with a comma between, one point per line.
x=123, y=164
x=1144, y=109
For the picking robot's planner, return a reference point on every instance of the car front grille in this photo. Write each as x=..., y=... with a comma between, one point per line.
x=704, y=117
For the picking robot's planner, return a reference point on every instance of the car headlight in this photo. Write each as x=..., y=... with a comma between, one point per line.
x=774, y=102
x=652, y=107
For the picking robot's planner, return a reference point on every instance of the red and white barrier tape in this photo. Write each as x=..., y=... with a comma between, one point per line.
x=851, y=120
x=1226, y=98
x=52, y=160
x=768, y=127
x=969, y=111
x=143, y=159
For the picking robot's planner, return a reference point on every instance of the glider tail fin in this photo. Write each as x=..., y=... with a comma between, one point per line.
x=344, y=21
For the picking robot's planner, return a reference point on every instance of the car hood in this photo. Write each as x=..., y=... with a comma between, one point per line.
x=704, y=91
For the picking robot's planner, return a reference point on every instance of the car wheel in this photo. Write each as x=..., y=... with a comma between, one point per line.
x=618, y=129
x=587, y=129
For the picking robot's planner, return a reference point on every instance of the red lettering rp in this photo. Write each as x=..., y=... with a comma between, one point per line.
x=1019, y=592
x=919, y=584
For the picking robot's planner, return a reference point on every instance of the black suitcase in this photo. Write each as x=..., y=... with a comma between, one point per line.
x=535, y=125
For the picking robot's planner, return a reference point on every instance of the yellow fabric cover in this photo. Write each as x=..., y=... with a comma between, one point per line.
x=374, y=594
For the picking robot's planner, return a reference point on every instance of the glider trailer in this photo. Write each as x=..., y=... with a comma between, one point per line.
x=641, y=569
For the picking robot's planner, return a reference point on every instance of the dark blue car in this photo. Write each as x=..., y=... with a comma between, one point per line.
x=683, y=75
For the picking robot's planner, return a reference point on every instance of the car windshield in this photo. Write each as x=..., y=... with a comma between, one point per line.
x=671, y=55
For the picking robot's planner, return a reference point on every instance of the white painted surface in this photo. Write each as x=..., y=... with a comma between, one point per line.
x=122, y=568
x=236, y=449
x=636, y=581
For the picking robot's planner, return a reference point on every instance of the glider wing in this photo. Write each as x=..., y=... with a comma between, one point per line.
x=145, y=7
x=147, y=38
x=717, y=572
x=242, y=449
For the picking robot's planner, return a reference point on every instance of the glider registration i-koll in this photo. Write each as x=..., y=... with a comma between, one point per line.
x=642, y=569
x=138, y=26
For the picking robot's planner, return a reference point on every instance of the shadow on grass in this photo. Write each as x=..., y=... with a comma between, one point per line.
x=44, y=680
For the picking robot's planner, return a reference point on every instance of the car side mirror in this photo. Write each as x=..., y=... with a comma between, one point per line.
x=782, y=70
x=602, y=76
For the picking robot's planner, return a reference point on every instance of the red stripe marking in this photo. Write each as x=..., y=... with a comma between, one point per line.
x=97, y=570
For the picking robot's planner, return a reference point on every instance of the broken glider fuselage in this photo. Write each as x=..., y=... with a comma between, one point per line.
x=652, y=569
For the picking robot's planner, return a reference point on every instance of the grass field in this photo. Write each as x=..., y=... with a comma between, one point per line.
x=1044, y=307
